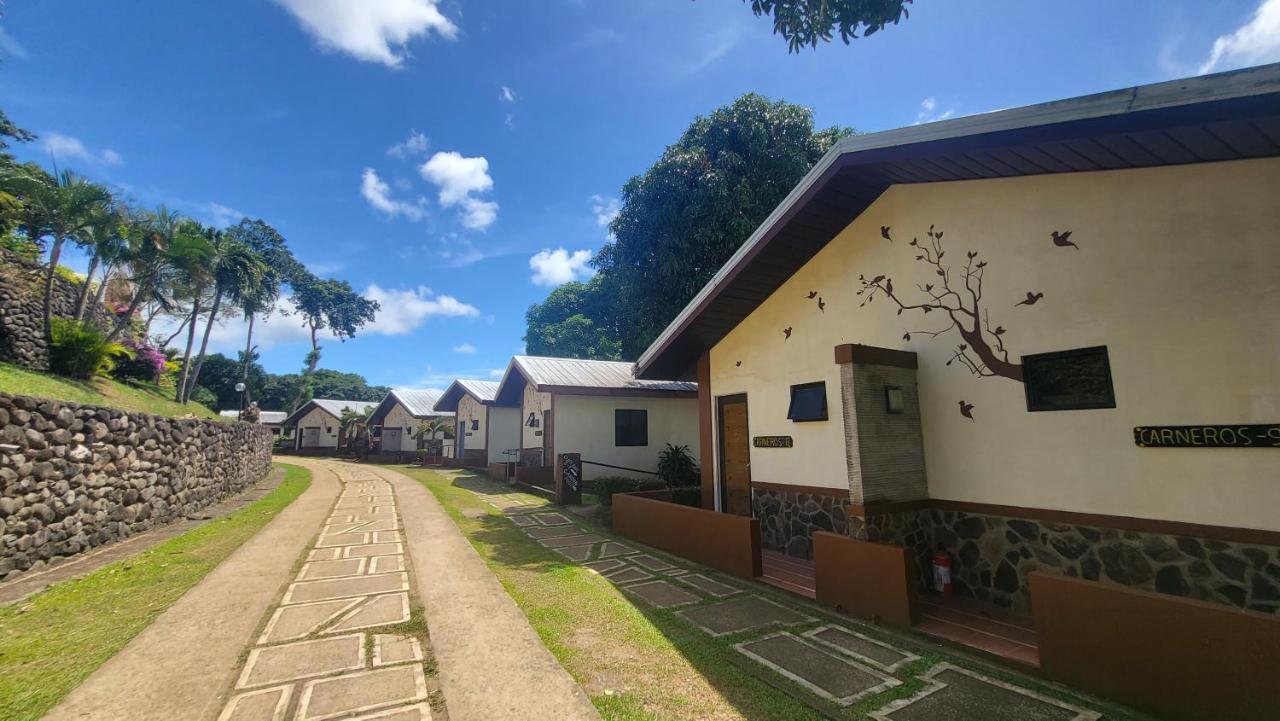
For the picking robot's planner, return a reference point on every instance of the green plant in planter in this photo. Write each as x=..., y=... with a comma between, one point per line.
x=677, y=468
x=79, y=350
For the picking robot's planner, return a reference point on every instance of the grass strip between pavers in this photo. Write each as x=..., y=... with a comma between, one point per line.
x=52, y=641
x=639, y=662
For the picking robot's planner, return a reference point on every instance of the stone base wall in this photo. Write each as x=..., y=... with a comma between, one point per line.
x=75, y=477
x=788, y=519
x=475, y=457
x=22, y=340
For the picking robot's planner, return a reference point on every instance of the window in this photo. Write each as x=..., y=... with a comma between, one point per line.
x=475, y=424
x=1068, y=380
x=808, y=402
x=630, y=427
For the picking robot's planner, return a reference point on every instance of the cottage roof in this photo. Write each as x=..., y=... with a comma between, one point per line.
x=583, y=377
x=328, y=405
x=483, y=391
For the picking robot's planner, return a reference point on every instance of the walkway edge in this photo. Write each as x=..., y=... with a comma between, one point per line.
x=181, y=666
x=492, y=664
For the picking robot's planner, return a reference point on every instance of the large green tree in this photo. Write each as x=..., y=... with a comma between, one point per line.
x=332, y=304
x=683, y=218
x=575, y=321
x=238, y=273
x=807, y=22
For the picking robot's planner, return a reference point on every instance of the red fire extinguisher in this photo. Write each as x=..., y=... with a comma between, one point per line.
x=942, y=572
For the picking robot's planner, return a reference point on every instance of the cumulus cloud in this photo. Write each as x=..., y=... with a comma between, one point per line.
x=403, y=310
x=464, y=348
x=67, y=147
x=929, y=112
x=507, y=95
x=459, y=180
x=378, y=194
x=605, y=209
x=415, y=144
x=277, y=328
x=1254, y=43
x=222, y=215
x=559, y=266
x=375, y=31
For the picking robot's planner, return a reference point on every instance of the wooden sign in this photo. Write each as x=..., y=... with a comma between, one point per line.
x=1242, y=436
x=772, y=442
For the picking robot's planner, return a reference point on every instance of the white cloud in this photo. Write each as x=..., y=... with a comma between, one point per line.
x=279, y=327
x=459, y=179
x=507, y=95
x=378, y=194
x=929, y=112
x=415, y=144
x=222, y=215
x=1254, y=43
x=559, y=266
x=497, y=372
x=405, y=309
x=464, y=348
x=65, y=147
x=605, y=209
x=10, y=47
x=375, y=31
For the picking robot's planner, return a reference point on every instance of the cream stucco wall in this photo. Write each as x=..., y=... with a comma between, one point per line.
x=399, y=417
x=1178, y=274
x=504, y=432
x=585, y=425
x=535, y=403
x=327, y=424
x=470, y=409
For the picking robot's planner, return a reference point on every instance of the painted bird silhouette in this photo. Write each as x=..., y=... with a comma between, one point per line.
x=812, y=294
x=738, y=364
x=1060, y=239
x=1031, y=299
x=884, y=233
x=966, y=410
x=822, y=306
x=786, y=332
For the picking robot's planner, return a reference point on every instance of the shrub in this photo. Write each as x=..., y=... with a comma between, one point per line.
x=20, y=247
x=687, y=495
x=79, y=350
x=677, y=468
x=147, y=363
x=606, y=486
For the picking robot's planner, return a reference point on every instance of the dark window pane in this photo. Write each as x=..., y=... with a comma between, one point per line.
x=1068, y=380
x=630, y=427
x=808, y=402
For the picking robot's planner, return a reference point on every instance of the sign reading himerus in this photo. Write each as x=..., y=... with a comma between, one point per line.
x=772, y=442
x=1243, y=436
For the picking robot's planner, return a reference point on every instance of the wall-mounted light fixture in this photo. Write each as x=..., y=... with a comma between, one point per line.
x=893, y=400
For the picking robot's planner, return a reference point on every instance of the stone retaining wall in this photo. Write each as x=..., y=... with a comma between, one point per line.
x=22, y=340
x=74, y=477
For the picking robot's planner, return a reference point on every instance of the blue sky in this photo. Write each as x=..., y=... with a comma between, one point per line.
x=457, y=159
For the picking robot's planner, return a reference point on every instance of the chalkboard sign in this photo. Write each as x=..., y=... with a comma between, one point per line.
x=1242, y=436
x=572, y=470
x=772, y=442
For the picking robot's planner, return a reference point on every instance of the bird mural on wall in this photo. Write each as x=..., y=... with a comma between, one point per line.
x=812, y=294
x=966, y=410
x=822, y=306
x=787, y=333
x=738, y=364
x=884, y=233
x=1031, y=299
x=1060, y=239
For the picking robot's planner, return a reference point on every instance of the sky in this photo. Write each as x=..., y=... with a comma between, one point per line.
x=456, y=160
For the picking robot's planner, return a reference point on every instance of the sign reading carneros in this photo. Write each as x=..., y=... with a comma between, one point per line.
x=1242, y=436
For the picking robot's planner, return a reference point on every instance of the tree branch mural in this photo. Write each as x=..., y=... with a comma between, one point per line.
x=955, y=294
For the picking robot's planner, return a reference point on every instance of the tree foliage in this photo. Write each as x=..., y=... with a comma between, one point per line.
x=680, y=221
x=807, y=22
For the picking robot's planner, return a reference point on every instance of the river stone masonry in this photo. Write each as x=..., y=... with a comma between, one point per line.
x=22, y=340
x=74, y=477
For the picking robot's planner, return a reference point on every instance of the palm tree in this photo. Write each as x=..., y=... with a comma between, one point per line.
x=258, y=299
x=158, y=247
x=106, y=238
x=194, y=273
x=237, y=273
x=435, y=431
x=63, y=209
x=354, y=427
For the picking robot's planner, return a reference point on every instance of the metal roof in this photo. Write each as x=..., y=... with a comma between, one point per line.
x=332, y=407
x=483, y=391
x=1228, y=116
x=420, y=402
x=272, y=417
x=570, y=375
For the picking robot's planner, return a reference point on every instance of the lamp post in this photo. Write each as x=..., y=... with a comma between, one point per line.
x=240, y=388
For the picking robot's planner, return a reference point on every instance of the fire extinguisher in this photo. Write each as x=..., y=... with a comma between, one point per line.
x=942, y=572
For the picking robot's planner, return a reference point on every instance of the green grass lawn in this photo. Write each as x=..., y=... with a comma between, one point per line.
x=99, y=391
x=52, y=641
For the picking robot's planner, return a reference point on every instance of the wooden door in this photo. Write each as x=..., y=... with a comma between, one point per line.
x=735, y=456
x=548, y=446
x=310, y=437
x=390, y=440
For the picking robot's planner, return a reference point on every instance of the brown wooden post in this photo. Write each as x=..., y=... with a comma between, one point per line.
x=568, y=479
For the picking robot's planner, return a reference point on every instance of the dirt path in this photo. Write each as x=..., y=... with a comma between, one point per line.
x=181, y=665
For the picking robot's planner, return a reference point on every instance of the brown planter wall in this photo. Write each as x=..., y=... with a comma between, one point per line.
x=866, y=579
x=1178, y=658
x=541, y=476
x=723, y=541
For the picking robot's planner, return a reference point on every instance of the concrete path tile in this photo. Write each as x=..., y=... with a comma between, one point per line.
x=304, y=591
x=541, y=532
x=386, y=524
x=957, y=694
x=630, y=574
x=390, y=649
x=269, y=704
x=709, y=585
x=552, y=519
x=862, y=648
x=662, y=594
x=342, y=527
x=385, y=564
x=377, y=611
x=290, y=623
x=416, y=712
x=522, y=520
x=601, y=567
x=575, y=553
x=613, y=548
x=342, y=539
x=577, y=539
x=304, y=659
x=832, y=677
x=324, y=554
x=373, y=549
x=385, y=537
x=332, y=569
x=330, y=698
x=653, y=563
x=741, y=614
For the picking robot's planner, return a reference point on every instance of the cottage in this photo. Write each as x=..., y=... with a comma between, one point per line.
x=597, y=409
x=271, y=419
x=1040, y=339
x=318, y=425
x=488, y=433
x=395, y=421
